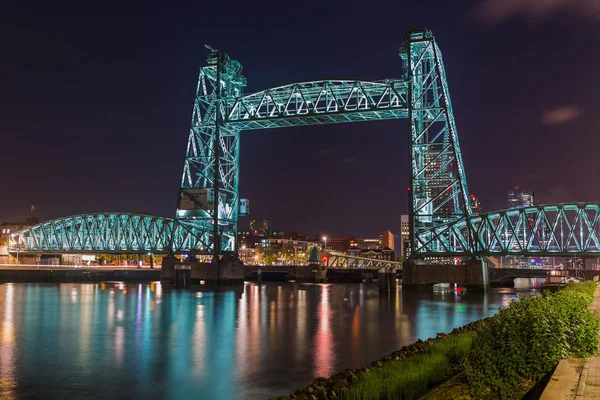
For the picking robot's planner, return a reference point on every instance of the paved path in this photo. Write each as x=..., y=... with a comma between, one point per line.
x=576, y=379
x=589, y=384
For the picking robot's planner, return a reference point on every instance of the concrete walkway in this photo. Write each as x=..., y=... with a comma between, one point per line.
x=576, y=378
x=589, y=383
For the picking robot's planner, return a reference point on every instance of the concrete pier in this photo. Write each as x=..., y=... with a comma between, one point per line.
x=387, y=281
x=58, y=274
x=229, y=271
x=473, y=274
x=182, y=276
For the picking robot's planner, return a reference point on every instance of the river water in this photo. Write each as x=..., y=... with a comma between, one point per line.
x=118, y=341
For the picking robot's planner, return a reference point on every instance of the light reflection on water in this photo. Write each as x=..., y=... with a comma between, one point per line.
x=143, y=340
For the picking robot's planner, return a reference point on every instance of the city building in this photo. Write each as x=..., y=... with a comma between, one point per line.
x=378, y=254
x=369, y=243
x=6, y=229
x=386, y=239
x=475, y=206
x=404, y=236
x=518, y=198
x=282, y=252
x=259, y=227
x=248, y=239
x=343, y=244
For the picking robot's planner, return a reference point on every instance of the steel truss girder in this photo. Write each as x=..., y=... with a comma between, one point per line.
x=112, y=233
x=342, y=261
x=318, y=102
x=544, y=231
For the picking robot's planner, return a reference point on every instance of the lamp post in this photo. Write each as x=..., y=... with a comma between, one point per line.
x=325, y=242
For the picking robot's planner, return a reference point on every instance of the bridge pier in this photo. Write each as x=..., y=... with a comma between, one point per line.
x=182, y=278
x=319, y=273
x=229, y=272
x=473, y=274
x=387, y=281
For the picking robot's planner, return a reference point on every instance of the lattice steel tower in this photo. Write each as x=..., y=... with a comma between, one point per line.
x=209, y=193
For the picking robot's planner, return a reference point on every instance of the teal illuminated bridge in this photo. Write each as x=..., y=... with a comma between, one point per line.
x=206, y=220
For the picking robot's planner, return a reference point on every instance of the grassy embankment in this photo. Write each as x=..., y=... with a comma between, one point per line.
x=503, y=359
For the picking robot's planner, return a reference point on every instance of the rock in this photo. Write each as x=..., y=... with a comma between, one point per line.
x=377, y=364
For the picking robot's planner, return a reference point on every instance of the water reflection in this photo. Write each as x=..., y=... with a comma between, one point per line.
x=143, y=340
x=323, y=344
x=8, y=346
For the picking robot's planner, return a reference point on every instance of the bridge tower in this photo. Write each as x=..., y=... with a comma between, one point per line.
x=438, y=185
x=208, y=199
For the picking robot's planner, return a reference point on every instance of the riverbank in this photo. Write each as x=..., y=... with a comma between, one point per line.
x=45, y=274
x=367, y=382
x=503, y=356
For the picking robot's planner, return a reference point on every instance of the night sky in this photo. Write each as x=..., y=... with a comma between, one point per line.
x=96, y=101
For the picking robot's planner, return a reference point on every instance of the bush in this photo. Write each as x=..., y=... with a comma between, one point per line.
x=526, y=340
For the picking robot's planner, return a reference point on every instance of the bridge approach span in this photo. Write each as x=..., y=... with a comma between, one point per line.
x=544, y=231
x=112, y=233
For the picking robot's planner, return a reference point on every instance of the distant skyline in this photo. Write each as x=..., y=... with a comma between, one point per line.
x=97, y=100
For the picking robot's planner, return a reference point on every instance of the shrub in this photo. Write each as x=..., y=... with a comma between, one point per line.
x=526, y=340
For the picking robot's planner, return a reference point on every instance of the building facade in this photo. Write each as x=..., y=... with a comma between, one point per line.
x=404, y=236
x=386, y=239
x=259, y=227
x=475, y=206
x=518, y=198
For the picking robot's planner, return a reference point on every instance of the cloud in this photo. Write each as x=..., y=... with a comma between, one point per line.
x=556, y=194
x=492, y=12
x=350, y=160
x=561, y=115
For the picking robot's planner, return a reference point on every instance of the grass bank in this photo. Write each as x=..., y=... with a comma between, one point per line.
x=411, y=377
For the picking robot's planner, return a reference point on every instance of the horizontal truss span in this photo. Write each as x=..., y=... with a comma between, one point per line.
x=337, y=260
x=542, y=231
x=108, y=233
x=318, y=102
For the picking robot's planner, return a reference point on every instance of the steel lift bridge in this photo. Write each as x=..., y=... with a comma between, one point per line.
x=206, y=220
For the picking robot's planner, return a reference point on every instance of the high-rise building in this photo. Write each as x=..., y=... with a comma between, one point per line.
x=259, y=227
x=368, y=243
x=518, y=198
x=475, y=205
x=386, y=239
x=404, y=236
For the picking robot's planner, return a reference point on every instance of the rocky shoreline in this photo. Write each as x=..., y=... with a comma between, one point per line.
x=335, y=386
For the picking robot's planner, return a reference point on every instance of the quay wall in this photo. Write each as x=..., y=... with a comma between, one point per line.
x=76, y=275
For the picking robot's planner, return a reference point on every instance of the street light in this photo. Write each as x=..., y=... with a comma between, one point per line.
x=325, y=242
